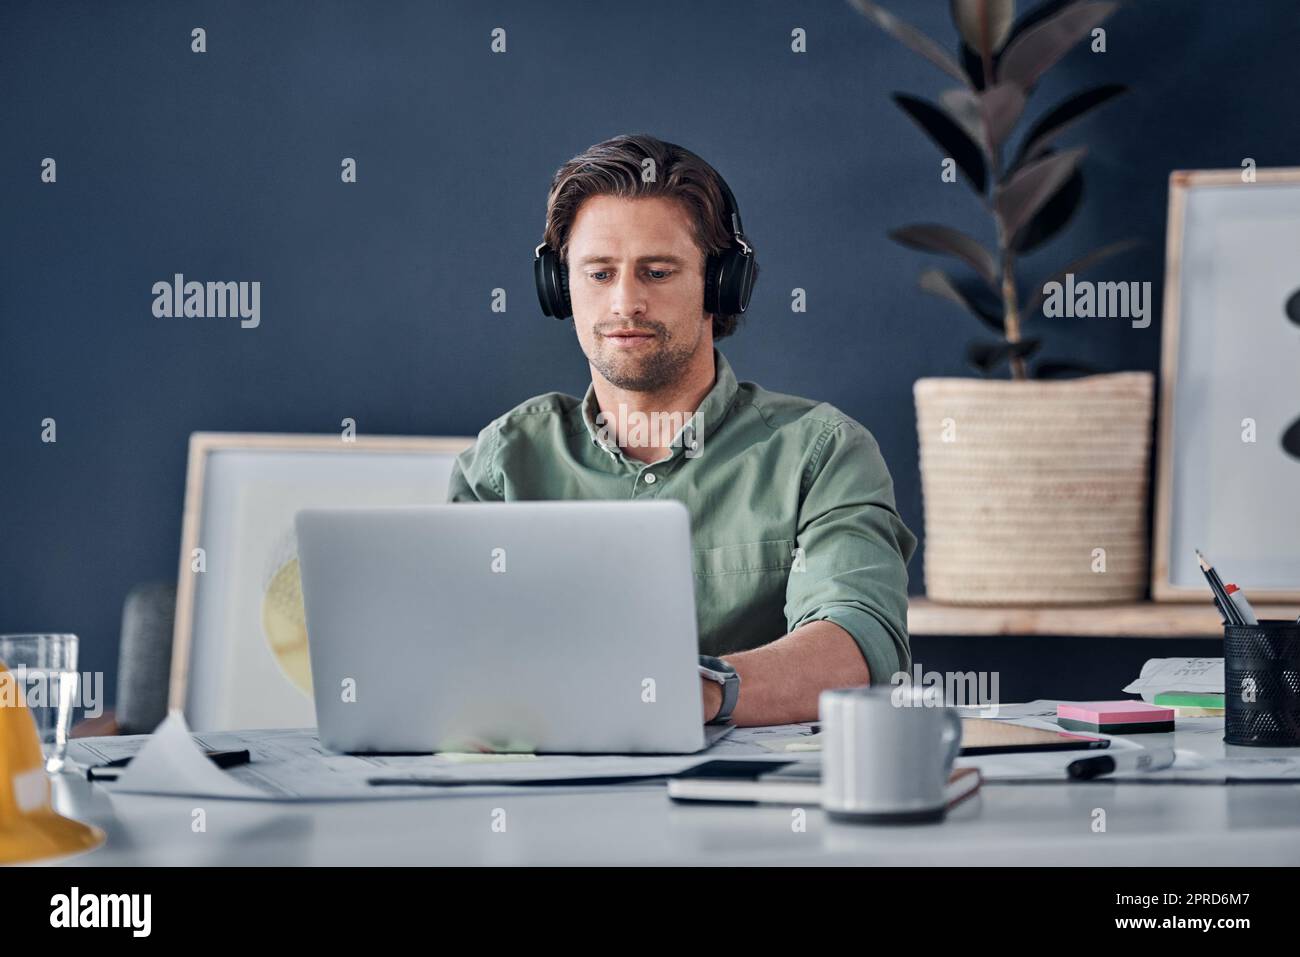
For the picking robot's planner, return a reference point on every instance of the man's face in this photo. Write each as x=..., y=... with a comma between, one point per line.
x=636, y=281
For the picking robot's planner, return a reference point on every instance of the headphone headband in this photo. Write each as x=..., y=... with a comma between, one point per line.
x=732, y=211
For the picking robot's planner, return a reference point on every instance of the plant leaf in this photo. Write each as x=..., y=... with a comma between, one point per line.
x=1002, y=105
x=963, y=107
x=1062, y=368
x=935, y=238
x=1029, y=187
x=1052, y=218
x=949, y=136
x=1063, y=116
x=984, y=24
x=1078, y=267
x=937, y=283
x=993, y=111
x=970, y=59
x=987, y=356
x=974, y=66
x=1024, y=348
x=910, y=37
x=1037, y=48
x=1038, y=14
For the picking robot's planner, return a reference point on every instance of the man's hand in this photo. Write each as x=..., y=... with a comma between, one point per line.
x=712, y=692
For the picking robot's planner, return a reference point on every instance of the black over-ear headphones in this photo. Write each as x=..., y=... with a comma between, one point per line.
x=728, y=275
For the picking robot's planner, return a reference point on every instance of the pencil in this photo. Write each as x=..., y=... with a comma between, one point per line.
x=1226, y=608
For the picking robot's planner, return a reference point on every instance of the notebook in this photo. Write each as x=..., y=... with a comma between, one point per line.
x=798, y=783
x=986, y=736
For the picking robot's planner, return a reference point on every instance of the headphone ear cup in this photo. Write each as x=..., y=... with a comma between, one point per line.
x=734, y=281
x=711, y=284
x=551, y=279
x=564, y=291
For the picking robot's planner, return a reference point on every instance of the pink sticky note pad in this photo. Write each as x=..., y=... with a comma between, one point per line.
x=1114, y=712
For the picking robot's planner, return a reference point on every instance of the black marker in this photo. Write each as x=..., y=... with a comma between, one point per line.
x=1144, y=759
x=222, y=759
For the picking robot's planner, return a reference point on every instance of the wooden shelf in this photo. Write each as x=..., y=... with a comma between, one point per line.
x=1137, y=620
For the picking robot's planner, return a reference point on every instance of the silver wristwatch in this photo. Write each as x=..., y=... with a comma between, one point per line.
x=715, y=669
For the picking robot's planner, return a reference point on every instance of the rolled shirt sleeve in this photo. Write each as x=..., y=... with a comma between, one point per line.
x=854, y=548
x=474, y=475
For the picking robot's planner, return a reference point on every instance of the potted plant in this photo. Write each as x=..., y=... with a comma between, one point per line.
x=1035, y=485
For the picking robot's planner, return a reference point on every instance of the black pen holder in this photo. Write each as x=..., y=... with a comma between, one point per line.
x=1261, y=679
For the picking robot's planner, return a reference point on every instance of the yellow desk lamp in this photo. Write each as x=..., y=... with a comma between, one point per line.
x=29, y=827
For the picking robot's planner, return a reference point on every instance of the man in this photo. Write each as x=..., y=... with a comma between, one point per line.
x=800, y=556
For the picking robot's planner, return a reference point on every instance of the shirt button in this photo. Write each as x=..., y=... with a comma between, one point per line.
x=649, y=478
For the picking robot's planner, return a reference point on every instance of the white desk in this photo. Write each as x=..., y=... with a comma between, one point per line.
x=1015, y=824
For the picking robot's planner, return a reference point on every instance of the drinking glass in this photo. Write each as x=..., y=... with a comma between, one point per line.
x=45, y=676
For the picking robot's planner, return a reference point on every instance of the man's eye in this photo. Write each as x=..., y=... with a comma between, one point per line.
x=597, y=275
x=660, y=273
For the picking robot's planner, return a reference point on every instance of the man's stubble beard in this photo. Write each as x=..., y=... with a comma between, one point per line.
x=665, y=366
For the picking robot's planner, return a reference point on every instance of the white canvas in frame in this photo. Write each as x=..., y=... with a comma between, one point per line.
x=239, y=654
x=1231, y=372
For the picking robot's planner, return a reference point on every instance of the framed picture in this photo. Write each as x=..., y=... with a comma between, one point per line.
x=239, y=650
x=1228, y=479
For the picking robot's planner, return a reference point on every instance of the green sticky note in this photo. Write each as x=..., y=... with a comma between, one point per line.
x=473, y=757
x=1188, y=699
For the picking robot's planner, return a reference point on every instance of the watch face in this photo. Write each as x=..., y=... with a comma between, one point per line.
x=716, y=666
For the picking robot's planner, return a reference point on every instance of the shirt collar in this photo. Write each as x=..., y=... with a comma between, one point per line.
x=708, y=415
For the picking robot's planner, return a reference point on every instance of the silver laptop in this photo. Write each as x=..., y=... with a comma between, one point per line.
x=541, y=626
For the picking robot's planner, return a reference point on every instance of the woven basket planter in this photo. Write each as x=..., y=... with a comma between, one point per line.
x=1023, y=481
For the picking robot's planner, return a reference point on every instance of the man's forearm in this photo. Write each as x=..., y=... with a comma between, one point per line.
x=780, y=682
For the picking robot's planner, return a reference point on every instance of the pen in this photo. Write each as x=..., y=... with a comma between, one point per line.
x=1147, y=759
x=1239, y=599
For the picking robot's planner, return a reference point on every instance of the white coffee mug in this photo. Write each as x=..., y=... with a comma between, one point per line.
x=887, y=753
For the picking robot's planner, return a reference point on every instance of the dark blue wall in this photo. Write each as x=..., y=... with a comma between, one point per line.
x=375, y=298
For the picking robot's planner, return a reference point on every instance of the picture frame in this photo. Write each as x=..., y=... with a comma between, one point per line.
x=239, y=652
x=1227, y=463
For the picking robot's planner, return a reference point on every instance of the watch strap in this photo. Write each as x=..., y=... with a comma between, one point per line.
x=717, y=670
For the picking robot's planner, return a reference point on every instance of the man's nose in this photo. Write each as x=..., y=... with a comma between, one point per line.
x=629, y=296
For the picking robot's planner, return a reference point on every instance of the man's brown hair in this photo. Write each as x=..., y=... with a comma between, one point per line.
x=614, y=168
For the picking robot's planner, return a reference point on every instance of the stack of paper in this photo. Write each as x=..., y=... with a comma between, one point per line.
x=1170, y=675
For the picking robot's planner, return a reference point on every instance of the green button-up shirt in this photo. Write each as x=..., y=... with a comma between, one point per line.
x=792, y=508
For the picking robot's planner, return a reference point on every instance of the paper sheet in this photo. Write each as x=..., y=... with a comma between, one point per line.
x=1039, y=708
x=291, y=765
x=1160, y=675
x=170, y=763
x=779, y=739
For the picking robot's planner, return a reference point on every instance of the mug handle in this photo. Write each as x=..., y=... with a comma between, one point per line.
x=952, y=737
